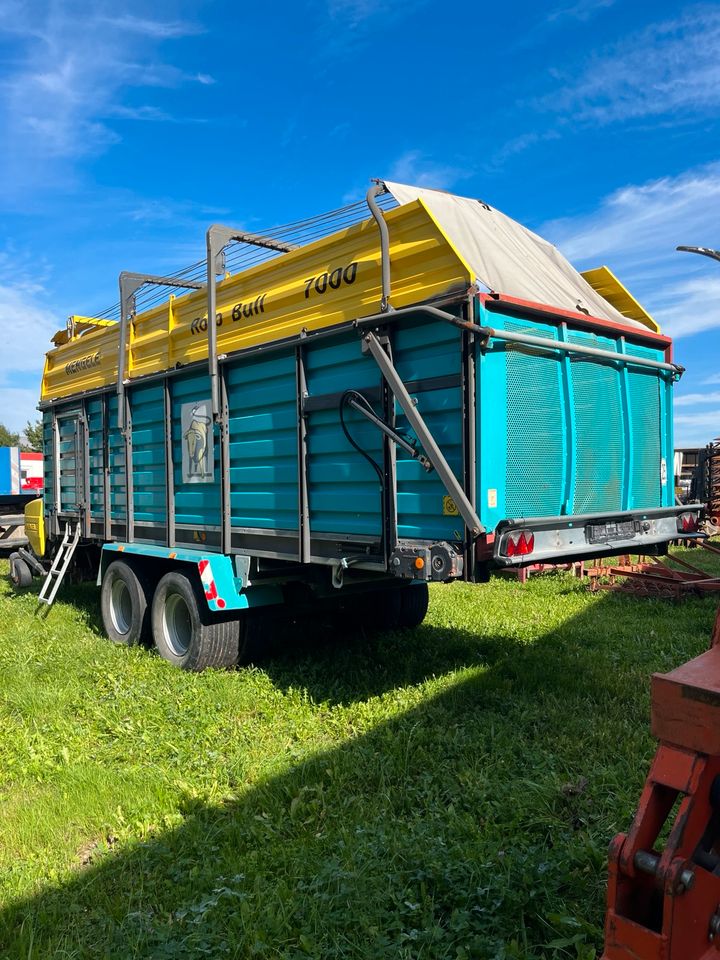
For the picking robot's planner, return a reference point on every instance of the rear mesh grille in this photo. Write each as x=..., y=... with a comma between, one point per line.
x=534, y=430
x=537, y=432
x=599, y=431
x=644, y=388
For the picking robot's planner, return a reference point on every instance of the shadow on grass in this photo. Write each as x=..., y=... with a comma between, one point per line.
x=473, y=825
x=339, y=663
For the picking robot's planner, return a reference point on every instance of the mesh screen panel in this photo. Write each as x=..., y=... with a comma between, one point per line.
x=644, y=390
x=599, y=447
x=534, y=481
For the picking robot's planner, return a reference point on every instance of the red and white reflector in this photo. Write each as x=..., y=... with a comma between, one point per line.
x=520, y=543
x=687, y=523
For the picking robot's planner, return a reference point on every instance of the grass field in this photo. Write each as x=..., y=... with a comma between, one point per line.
x=445, y=793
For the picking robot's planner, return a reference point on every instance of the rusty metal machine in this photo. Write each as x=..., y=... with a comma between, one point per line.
x=664, y=875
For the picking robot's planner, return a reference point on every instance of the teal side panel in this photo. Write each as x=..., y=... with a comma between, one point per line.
x=196, y=504
x=96, y=467
x=343, y=488
x=116, y=463
x=147, y=408
x=262, y=402
x=48, y=462
x=647, y=424
x=600, y=434
x=536, y=429
x=422, y=351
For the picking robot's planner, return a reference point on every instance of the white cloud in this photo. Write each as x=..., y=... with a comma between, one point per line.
x=69, y=75
x=583, y=10
x=669, y=68
x=28, y=325
x=353, y=12
x=421, y=171
x=689, y=306
x=697, y=431
x=518, y=145
x=154, y=28
x=635, y=230
x=695, y=399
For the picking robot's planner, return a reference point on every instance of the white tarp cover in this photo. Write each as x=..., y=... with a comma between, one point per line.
x=506, y=257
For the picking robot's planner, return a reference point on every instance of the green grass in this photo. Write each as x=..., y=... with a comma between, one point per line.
x=444, y=793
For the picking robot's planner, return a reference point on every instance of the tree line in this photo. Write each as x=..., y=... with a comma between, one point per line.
x=29, y=440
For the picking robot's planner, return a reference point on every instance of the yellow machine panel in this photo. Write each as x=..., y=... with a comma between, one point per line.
x=35, y=526
x=331, y=281
x=608, y=286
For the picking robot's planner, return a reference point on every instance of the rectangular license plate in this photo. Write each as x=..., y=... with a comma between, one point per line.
x=607, y=532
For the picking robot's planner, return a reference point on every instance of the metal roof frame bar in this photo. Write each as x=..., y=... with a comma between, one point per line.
x=216, y=239
x=129, y=284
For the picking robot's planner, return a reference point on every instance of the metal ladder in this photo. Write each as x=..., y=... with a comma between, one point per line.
x=59, y=565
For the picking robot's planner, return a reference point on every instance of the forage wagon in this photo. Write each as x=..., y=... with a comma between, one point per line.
x=331, y=414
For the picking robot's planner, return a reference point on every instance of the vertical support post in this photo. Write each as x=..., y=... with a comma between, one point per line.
x=214, y=244
x=56, y=470
x=628, y=446
x=303, y=502
x=129, y=507
x=468, y=382
x=667, y=439
x=84, y=438
x=224, y=423
x=377, y=191
x=216, y=239
x=390, y=520
x=169, y=466
x=570, y=431
x=107, y=506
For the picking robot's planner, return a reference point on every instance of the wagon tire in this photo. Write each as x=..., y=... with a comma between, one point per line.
x=124, y=605
x=413, y=605
x=20, y=572
x=183, y=631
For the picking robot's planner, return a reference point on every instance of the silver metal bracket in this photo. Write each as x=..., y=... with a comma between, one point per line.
x=242, y=569
x=338, y=571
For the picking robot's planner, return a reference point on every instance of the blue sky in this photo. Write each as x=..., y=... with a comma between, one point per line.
x=125, y=129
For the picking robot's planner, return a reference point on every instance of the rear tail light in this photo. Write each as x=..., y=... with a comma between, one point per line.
x=519, y=544
x=687, y=523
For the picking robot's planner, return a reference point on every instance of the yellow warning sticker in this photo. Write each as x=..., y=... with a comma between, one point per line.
x=450, y=507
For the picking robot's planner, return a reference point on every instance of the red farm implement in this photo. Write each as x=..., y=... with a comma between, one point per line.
x=664, y=896
x=672, y=576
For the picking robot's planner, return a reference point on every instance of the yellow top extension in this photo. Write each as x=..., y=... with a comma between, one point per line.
x=327, y=282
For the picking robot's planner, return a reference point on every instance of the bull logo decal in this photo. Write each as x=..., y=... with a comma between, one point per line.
x=197, y=435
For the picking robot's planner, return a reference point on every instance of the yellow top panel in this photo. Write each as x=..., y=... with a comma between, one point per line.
x=330, y=281
x=608, y=286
